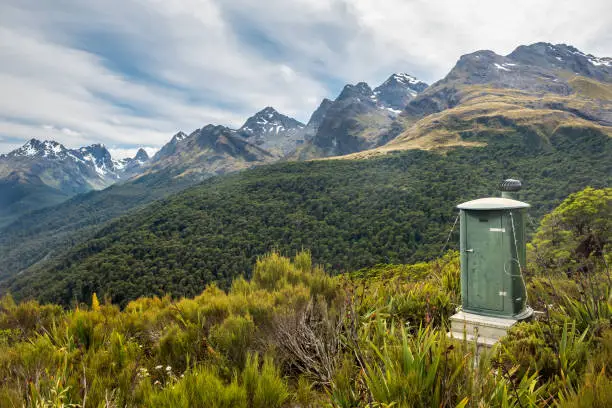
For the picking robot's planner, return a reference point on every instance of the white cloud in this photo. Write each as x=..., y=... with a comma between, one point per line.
x=133, y=72
x=122, y=153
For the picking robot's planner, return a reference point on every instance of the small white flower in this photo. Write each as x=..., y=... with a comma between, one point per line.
x=159, y=367
x=182, y=375
x=168, y=368
x=156, y=382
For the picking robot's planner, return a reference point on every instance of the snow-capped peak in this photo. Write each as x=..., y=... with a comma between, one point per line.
x=406, y=79
x=402, y=80
x=597, y=61
x=269, y=120
x=36, y=148
x=177, y=137
x=95, y=157
x=395, y=93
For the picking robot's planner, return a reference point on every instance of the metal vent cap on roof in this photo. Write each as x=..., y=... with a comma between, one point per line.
x=510, y=185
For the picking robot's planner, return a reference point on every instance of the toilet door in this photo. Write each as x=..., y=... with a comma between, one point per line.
x=484, y=249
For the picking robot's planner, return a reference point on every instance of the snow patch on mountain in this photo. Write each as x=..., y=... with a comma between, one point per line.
x=397, y=91
x=94, y=157
x=273, y=131
x=501, y=67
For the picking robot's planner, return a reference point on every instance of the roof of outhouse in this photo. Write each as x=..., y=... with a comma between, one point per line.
x=492, y=203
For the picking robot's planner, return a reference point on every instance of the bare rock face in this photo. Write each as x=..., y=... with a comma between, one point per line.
x=209, y=151
x=169, y=148
x=398, y=90
x=273, y=131
x=316, y=119
x=358, y=119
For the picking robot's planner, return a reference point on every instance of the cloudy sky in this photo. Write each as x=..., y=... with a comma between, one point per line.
x=131, y=73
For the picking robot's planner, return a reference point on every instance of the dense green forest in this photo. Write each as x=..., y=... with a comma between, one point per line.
x=294, y=336
x=48, y=231
x=350, y=214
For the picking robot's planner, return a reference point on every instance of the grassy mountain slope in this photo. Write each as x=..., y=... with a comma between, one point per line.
x=485, y=110
x=539, y=89
x=350, y=213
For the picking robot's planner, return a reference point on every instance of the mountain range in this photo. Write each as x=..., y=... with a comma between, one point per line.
x=44, y=173
x=538, y=112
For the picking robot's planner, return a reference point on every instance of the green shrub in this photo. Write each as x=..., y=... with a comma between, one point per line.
x=178, y=345
x=264, y=387
x=595, y=392
x=200, y=388
x=304, y=393
x=527, y=347
x=233, y=338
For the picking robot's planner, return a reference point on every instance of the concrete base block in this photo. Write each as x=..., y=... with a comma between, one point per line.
x=484, y=330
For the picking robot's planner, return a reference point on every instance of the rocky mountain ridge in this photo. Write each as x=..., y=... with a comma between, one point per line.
x=359, y=118
x=42, y=173
x=92, y=159
x=211, y=150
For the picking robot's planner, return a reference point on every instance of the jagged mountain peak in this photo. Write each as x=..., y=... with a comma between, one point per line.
x=268, y=113
x=319, y=113
x=210, y=133
x=37, y=148
x=540, y=59
x=535, y=67
x=478, y=63
x=269, y=120
x=405, y=80
x=478, y=55
x=141, y=155
x=180, y=135
x=98, y=150
x=132, y=165
x=359, y=90
x=273, y=131
x=268, y=110
x=399, y=89
x=170, y=148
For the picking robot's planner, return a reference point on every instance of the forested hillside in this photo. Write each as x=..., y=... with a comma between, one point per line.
x=45, y=233
x=350, y=213
x=293, y=336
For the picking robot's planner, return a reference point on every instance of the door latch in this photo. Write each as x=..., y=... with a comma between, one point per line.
x=469, y=250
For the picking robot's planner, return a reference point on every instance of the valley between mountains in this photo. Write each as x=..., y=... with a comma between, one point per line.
x=398, y=157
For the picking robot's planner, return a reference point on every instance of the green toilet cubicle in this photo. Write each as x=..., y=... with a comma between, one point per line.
x=493, y=255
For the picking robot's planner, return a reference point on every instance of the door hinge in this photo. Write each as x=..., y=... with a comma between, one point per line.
x=502, y=293
x=468, y=250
